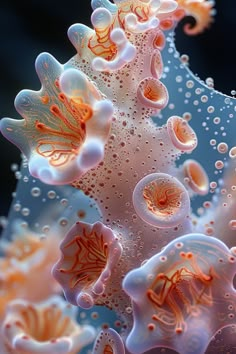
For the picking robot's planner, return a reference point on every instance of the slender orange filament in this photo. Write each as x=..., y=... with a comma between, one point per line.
x=180, y=294
x=162, y=198
x=88, y=260
x=62, y=143
x=100, y=43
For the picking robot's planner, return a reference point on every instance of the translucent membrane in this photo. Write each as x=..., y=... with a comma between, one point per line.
x=65, y=124
x=161, y=200
x=183, y=294
x=152, y=93
x=182, y=135
x=89, y=252
x=197, y=177
x=108, y=341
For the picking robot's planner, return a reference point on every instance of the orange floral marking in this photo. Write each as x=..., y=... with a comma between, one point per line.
x=90, y=252
x=180, y=291
x=89, y=259
x=62, y=144
x=162, y=199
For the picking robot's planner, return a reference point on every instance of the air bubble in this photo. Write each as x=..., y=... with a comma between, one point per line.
x=14, y=167
x=46, y=228
x=184, y=59
x=212, y=142
x=190, y=84
x=63, y=222
x=210, y=109
x=179, y=78
x=25, y=211
x=17, y=206
x=26, y=179
x=216, y=120
x=213, y=185
x=64, y=201
x=222, y=148
x=219, y=164
x=210, y=82
x=187, y=116
x=51, y=194
x=204, y=98
x=35, y=192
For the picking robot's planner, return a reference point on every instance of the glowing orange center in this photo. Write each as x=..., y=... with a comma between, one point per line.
x=162, y=198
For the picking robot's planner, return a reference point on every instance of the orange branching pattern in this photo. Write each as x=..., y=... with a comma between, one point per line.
x=107, y=51
x=100, y=43
x=162, y=198
x=61, y=144
x=88, y=260
x=140, y=9
x=201, y=10
x=180, y=292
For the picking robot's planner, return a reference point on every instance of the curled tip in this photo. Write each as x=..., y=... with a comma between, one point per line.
x=181, y=134
x=196, y=177
x=161, y=200
x=203, y=13
x=152, y=93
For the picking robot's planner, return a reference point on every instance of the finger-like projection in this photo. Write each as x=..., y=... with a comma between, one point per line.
x=65, y=125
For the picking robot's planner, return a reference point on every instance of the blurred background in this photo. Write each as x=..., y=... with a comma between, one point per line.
x=28, y=28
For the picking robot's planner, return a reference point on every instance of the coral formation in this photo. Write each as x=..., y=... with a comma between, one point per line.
x=106, y=144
